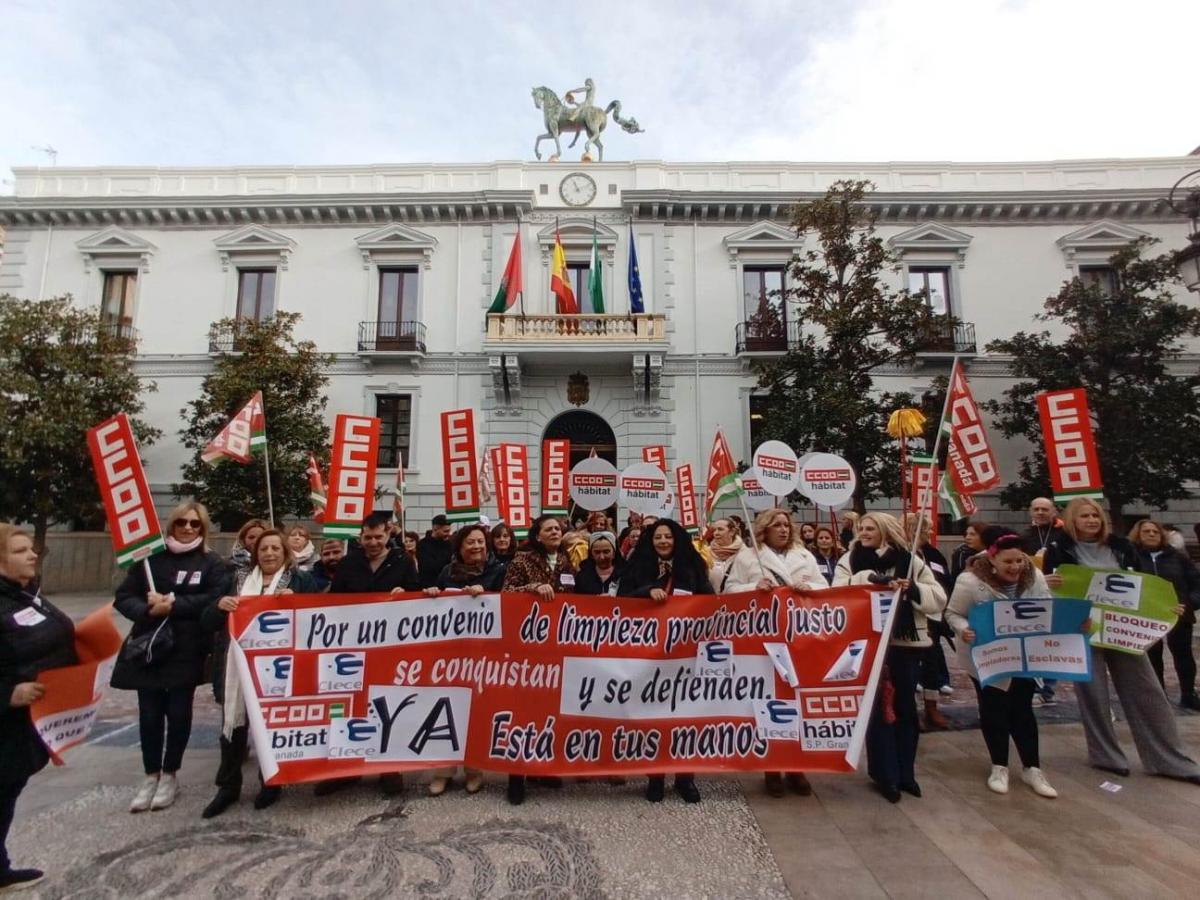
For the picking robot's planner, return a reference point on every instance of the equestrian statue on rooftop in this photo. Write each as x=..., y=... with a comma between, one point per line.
x=577, y=117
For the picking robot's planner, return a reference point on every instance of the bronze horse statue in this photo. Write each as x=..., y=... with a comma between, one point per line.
x=584, y=117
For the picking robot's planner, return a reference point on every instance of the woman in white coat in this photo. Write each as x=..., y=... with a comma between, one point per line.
x=1001, y=572
x=880, y=555
x=777, y=558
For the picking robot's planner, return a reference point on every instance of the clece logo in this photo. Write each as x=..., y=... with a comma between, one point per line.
x=340, y=672
x=269, y=630
x=274, y=676
x=1022, y=617
x=714, y=659
x=849, y=664
x=1119, y=589
x=781, y=712
x=777, y=720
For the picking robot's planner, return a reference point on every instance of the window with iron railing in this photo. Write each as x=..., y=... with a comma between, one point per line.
x=256, y=294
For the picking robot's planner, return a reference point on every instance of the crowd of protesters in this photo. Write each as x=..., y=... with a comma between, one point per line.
x=178, y=604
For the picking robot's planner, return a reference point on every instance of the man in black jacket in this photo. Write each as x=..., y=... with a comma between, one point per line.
x=1043, y=523
x=372, y=568
x=434, y=551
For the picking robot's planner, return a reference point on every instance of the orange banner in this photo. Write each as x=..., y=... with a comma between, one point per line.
x=65, y=714
x=359, y=684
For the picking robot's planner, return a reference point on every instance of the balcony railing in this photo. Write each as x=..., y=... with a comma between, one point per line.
x=391, y=337
x=959, y=338
x=122, y=330
x=581, y=328
x=770, y=337
x=223, y=338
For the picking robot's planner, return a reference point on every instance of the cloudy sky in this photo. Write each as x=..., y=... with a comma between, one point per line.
x=305, y=82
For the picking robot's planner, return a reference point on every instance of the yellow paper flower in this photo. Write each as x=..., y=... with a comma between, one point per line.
x=907, y=422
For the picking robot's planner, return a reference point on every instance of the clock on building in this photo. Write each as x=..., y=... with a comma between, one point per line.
x=577, y=189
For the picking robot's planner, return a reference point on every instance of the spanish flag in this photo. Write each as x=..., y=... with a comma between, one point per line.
x=560, y=281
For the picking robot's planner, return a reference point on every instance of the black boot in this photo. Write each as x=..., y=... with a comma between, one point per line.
x=19, y=878
x=798, y=784
x=773, y=784
x=1190, y=701
x=224, y=799
x=267, y=796
x=516, y=789
x=685, y=787
x=655, y=788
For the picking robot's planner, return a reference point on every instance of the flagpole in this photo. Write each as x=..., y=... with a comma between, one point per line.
x=521, y=293
x=267, y=466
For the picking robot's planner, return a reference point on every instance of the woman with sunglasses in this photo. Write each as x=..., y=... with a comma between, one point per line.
x=188, y=578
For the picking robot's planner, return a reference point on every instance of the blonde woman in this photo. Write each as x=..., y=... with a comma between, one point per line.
x=242, y=555
x=304, y=554
x=880, y=556
x=188, y=578
x=1086, y=539
x=724, y=546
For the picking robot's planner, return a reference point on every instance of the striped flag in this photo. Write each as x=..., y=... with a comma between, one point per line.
x=398, y=491
x=560, y=279
x=511, y=283
x=596, y=276
x=722, y=475
x=316, y=488
x=245, y=433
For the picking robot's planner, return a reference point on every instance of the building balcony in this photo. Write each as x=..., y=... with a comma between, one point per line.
x=121, y=330
x=584, y=328
x=400, y=338
x=751, y=338
x=222, y=338
x=953, y=338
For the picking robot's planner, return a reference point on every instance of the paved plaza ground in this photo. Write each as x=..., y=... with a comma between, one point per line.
x=597, y=840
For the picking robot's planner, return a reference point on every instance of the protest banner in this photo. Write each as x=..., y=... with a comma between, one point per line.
x=1131, y=610
x=827, y=480
x=351, y=489
x=1031, y=638
x=459, y=467
x=778, y=468
x=556, y=456
x=774, y=680
x=512, y=478
x=128, y=505
x=594, y=483
x=689, y=515
x=644, y=489
x=66, y=712
x=1070, y=446
x=755, y=495
x=922, y=478
x=655, y=454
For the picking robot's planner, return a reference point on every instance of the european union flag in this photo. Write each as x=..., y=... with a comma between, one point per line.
x=635, y=278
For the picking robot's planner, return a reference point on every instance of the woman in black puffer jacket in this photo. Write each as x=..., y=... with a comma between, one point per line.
x=1157, y=558
x=188, y=578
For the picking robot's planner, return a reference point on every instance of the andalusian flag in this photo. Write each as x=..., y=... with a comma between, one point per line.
x=560, y=279
x=512, y=285
x=245, y=433
x=316, y=488
x=723, y=479
x=596, y=276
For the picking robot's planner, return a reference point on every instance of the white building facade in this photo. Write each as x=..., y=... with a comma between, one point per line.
x=393, y=269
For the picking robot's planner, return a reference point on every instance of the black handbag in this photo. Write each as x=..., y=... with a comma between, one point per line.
x=150, y=649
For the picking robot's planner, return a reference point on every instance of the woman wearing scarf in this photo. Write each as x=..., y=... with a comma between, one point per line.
x=1004, y=572
x=664, y=563
x=34, y=636
x=601, y=571
x=304, y=554
x=1086, y=539
x=879, y=556
x=473, y=572
x=726, y=543
x=504, y=544
x=777, y=559
x=242, y=555
x=188, y=578
x=827, y=551
x=274, y=573
x=542, y=569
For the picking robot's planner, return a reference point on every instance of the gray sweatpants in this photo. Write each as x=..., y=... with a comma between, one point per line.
x=1146, y=708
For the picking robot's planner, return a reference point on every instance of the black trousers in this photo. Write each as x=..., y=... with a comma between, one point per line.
x=165, y=723
x=892, y=748
x=1179, y=641
x=934, y=671
x=233, y=754
x=1005, y=714
x=9, y=792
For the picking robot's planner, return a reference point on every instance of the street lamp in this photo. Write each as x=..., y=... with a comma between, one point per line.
x=1185, y=199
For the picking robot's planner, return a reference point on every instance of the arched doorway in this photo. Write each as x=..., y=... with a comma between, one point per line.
x=587, y=432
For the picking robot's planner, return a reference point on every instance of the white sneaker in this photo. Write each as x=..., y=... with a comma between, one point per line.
x=1036, y=780
x=167, y=791
x=145, y=795
x=998, y=780
x=945, y=690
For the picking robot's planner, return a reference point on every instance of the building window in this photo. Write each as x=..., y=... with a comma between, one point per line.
x=1104, y=277
x=758, y=414
x=935, y=281
x=395, y=413
x=577, y=276
x=256, y=294
x=764, y=310
x=116, y=307
x=398, y=313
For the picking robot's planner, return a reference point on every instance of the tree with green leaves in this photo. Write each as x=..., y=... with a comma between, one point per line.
x=1123, y=343
x=264, y=356
x=64, y=371
x=851, y=323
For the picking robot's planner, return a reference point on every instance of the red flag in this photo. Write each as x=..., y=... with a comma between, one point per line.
x=556, y=456
x=689, y=516
x=398, y=491
x=722, y=475
x=511, y=286
x=459, y=468
x=316, y=488
x=655, y=454
x=245, y=433
x=923, y=495
x=125, y=491
x=1070, y=445
x=970, y=462
x=351, y=474
x=512, y=482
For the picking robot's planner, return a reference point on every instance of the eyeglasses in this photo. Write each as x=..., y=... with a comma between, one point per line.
x=194, y=524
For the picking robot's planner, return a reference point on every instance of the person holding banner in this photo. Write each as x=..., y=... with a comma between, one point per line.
x=1157, y=557
x=880, y=556
x=935, y=675
x=1086, y=539
x=34, y=636
x=333, y=551
x=242, y=555
x=433, y=551
x=1004, y=572
x=275, y=572
x=601, y=571
x=777, y=558
x=663, y=563
x=543, y=569
x=166, y=614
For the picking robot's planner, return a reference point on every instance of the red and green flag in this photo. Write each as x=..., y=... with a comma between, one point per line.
x=245, y=434
x=511, y=283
